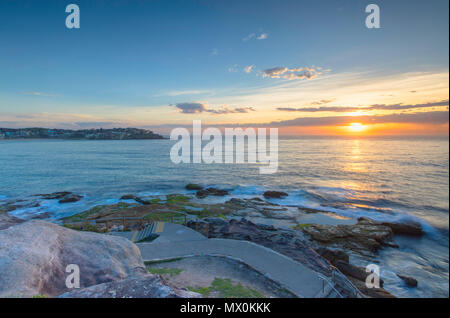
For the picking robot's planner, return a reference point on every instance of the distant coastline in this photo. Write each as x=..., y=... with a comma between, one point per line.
x=87, y=134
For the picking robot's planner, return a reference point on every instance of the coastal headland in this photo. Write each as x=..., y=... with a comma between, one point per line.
x=90, y=134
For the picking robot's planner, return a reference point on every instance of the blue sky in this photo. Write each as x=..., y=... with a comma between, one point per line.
x=135, y=56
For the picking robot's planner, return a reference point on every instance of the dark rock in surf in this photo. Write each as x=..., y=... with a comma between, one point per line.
x=211, y=191
x=193, y=186
x=127, y=197
x=55, y=195
x=71, y=198
x=275, y=194
x=412, y=282
x=411, y=228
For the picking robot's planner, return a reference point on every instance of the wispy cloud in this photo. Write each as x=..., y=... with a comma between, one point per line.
x=292, y=73
x=248, y=69
x=256, y=36
x=262, y=36
x=195, y=108
x=362, y=108
x=40, y=94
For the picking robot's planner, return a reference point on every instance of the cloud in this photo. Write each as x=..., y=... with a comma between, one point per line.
x=339, y=109
x=321, y=102
x=195, y=108
x=248, y=69
x=40, y=94
x=191, y=108
x=293, y=73
x=433, y=117
x=260, y=36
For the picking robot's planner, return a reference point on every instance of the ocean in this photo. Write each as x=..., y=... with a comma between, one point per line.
x=385, y=178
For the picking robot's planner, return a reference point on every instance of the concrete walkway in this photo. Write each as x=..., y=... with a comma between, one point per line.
x=179, y=241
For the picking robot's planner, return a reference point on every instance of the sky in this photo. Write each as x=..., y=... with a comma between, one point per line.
x=307, y=67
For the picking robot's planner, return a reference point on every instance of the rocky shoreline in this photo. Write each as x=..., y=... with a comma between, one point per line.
x=90, y=134
x=326, y=246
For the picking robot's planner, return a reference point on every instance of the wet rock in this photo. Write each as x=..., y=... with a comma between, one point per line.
x=412, y=282
x=34, y=256
x=275, y=194
x=71, y=198
x=408, y=228
x=139, y=286
x=211, y=191
x=127, y=197
x=55, y=195
x=364, y=236
x=193, y=186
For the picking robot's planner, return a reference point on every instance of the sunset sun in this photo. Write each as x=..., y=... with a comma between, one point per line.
x=356, y=127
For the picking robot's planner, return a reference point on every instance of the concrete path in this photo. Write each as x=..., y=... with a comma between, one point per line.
x=179, y=241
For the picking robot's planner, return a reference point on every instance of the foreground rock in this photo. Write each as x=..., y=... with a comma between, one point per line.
x=275, y=194
x=211, y=191
x=34, y=256
x=365, y=236
x=138, y=286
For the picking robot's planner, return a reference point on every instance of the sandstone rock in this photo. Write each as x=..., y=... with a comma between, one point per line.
x=408, y=228
x=366, y=235
x=211, y=191
x=34, y=256
x=193, y=186
x=7, y=221
x=412, y=282
x=275, y=194
x=71, y=198
x=138, y=286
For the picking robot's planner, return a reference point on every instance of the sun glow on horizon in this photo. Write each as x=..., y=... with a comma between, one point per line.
x=356, y=127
